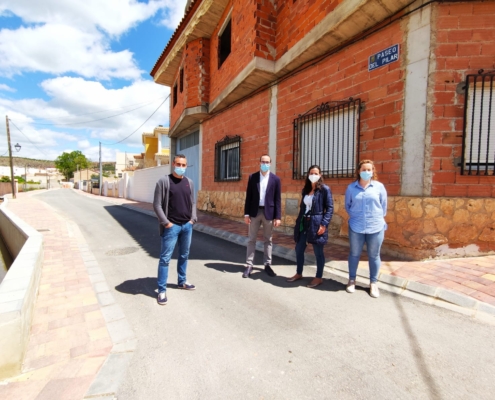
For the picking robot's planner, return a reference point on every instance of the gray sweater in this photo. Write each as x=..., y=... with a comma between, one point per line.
x=160, y=201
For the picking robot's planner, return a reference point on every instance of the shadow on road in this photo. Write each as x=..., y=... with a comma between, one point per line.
x=419, y=358
x=258, y=273
x=144, y=229
x=144, y=286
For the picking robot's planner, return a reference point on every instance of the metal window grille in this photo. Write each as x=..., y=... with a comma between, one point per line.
x=478, y=145
x=228, y=159
x=328, y=136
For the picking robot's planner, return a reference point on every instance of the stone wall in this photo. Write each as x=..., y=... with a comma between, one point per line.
x=418, y=227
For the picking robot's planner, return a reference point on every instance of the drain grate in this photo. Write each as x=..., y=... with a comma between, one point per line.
x=122, y=251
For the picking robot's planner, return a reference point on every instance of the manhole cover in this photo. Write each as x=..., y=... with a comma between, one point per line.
x=122, y=252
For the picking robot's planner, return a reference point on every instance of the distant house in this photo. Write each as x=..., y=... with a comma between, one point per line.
x=408, y=84
x=156, y=147
x=125, y=162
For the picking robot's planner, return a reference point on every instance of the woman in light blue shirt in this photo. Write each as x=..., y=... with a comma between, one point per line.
x=366, y=204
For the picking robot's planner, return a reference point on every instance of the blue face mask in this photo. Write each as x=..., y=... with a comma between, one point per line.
x=366, y=175
x=265, y=167
x=179, y=171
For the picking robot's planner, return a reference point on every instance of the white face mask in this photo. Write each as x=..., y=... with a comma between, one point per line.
x=314, y=178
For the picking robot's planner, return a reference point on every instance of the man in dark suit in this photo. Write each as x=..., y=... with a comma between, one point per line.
x=263, y=206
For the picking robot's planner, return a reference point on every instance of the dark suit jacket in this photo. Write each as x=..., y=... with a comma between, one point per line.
x=273, y=200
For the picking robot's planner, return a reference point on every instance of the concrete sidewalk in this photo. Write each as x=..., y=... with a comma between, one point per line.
x=465, y=282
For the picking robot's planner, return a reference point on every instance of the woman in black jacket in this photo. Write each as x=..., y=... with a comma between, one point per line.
x=315, y=213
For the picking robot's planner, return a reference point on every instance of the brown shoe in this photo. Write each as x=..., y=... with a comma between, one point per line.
x=315, y=282
x=296, y=277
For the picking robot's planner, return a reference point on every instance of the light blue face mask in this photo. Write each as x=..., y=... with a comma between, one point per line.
x=265, y=167
x=366, y=175
x=179, y=171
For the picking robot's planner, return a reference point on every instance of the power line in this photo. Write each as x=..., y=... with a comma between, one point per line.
x=41, y=151
x=139, y=127
x=94, y=120
x=120, y=108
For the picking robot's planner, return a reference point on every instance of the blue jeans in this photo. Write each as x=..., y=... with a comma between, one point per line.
x=373, y=244
x=317, y=248
x=170, y=237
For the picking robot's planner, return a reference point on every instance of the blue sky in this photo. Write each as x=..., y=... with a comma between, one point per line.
x=68, y=68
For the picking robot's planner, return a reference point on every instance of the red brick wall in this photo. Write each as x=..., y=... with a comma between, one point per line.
x=343, y=75
x=249, y=120
x=465, y=43
x=196, y=66
x=296, y=18
x=242, y=50
x=265, y=27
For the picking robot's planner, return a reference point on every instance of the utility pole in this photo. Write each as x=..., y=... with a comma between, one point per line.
x=26, y=176
x=10, y=158
x=101, y=174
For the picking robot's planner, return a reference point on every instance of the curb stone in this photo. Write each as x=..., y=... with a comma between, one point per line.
x=112, y=372
x=414, y=290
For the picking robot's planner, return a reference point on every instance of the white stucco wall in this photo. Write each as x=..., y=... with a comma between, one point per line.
x=141, y=186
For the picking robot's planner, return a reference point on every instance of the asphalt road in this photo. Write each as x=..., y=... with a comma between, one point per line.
x=262, y=338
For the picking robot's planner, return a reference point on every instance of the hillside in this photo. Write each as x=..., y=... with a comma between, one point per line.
x=33, y=163
x=21, y=162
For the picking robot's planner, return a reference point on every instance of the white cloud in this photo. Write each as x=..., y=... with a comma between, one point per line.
x=59, y=49
x=173, y=13
x=84, y=144
x=74, y=36
x=114, y=17
x=6, y=88
x=75, y=114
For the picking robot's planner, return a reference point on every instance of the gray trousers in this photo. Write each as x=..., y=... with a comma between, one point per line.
x=254, y=227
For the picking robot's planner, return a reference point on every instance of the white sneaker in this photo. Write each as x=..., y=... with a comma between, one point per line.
x=351, y=286
x=374, y=291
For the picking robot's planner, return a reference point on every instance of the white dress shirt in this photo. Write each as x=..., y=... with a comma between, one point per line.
x=263, y=185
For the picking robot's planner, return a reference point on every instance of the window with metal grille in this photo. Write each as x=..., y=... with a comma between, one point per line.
x=328, y=136
x=175, y=95
x=189, y=141
x=228, y=159
x=478, y=153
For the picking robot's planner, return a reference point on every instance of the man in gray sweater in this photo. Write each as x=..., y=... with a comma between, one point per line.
x=175, y=207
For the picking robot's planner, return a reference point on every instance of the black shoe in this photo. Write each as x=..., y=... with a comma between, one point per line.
x=162, y=298
x=247, y=272
x=186, y=286
x=270, y=271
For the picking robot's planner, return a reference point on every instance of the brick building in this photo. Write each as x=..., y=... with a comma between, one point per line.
x=408, y=84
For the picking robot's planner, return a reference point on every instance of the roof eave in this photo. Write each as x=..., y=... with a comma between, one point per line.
x=200, y=21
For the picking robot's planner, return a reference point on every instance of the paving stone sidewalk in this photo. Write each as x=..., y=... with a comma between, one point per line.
x=72, y=340
x=473, y=277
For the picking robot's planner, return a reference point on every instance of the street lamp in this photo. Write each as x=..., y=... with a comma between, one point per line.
x=18, y=148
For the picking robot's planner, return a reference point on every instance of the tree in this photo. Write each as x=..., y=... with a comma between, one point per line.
x=67, y=163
